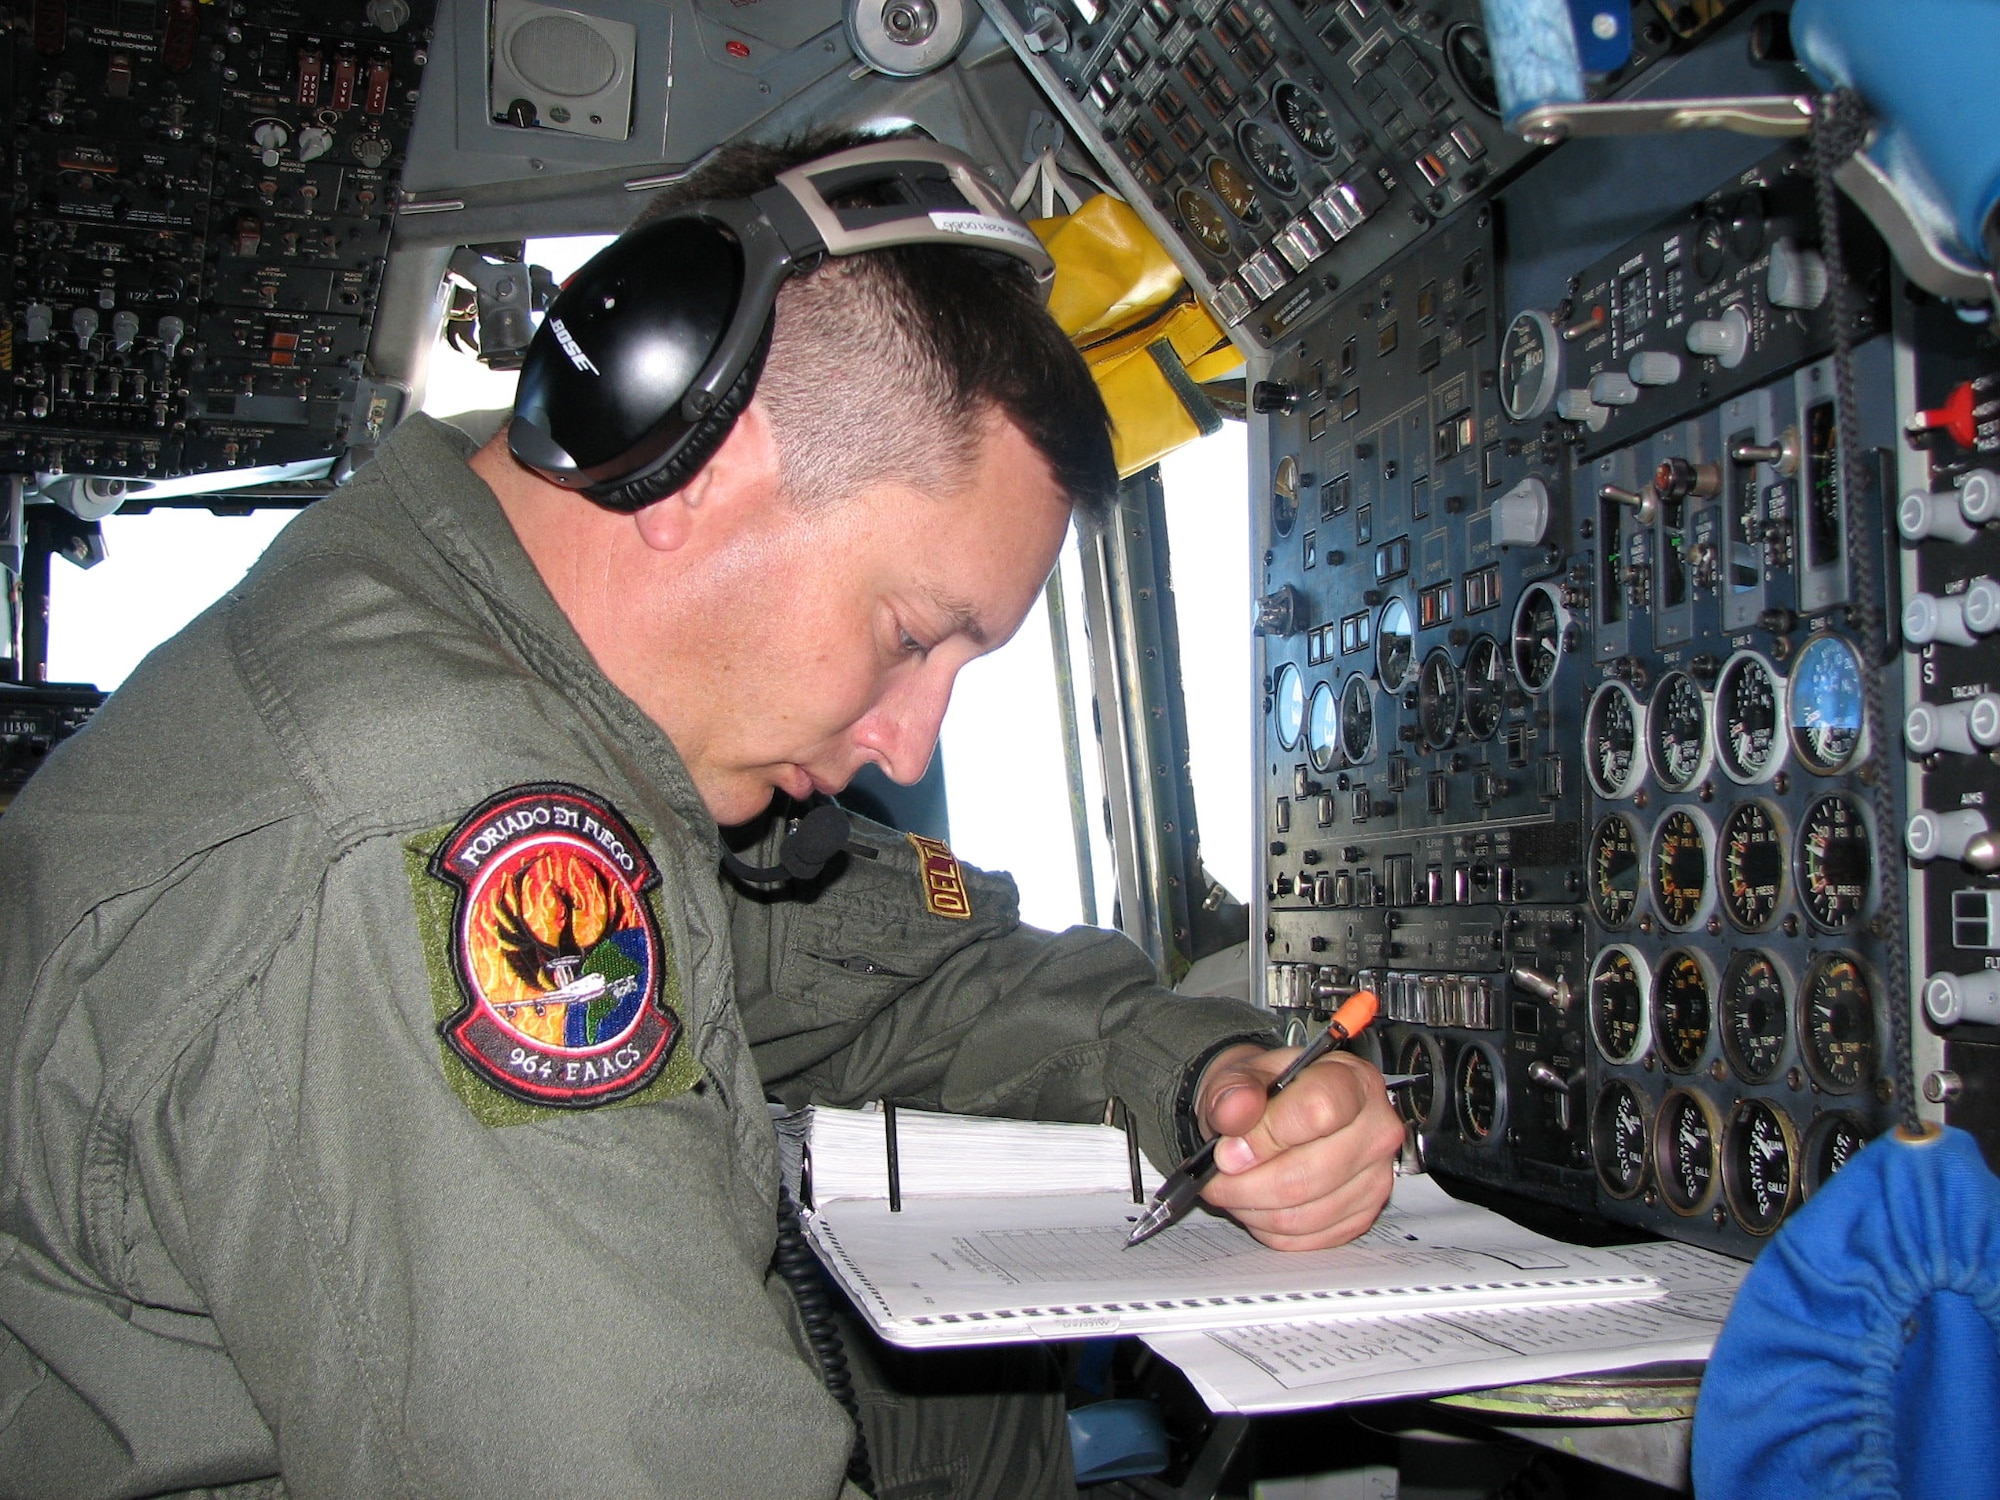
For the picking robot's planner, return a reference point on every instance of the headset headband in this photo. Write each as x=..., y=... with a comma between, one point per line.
x=653, y=347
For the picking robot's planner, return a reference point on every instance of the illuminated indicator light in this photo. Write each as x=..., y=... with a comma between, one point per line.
x=737, y=49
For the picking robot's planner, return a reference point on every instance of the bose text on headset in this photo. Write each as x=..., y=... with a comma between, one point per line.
x=654, y=347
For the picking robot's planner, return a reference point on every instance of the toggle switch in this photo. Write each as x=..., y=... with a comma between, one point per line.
x=1645, y=502
x=1961, y=834
x=1962, y=728
x=1538, y=984
x=1955, y=619
x=1726, y=339
x=1952, y=998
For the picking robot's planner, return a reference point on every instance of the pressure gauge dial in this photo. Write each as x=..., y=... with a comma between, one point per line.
x=1539, y=623
x=1753, y=866
x=1530, y=365
x=1357, y=721
x=1684, y=1142
x=1614, y=870
x=1204, y=221
x=1619, y=981
x=1680, y=868
x=1760, y=1165
x=1749, y=710
x=1481, y=1095
x=1835, y=860
x=1824, y=704
x=1419, y=1102
x=1306, y=118
x=1682, y=1016
x=1618, y=1139
x=1437, y=700
x=1611, y=741
x=1677, y=732
x=1288, y=706
x=1484, y=689
x=1234, y=189
x=1837, y=1023
x=1754, y=1017
x=1323, y=728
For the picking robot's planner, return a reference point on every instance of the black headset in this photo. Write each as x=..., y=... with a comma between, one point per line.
x=652, y=349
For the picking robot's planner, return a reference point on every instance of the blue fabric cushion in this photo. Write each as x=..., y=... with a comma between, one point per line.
x=1862, y=1356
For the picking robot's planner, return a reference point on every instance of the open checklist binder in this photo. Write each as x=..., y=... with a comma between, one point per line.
x=1012, y=1230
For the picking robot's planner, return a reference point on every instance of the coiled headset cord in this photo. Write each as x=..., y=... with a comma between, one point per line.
x=800, y=1268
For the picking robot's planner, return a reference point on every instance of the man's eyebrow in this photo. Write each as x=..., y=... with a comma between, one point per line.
x=963, y=617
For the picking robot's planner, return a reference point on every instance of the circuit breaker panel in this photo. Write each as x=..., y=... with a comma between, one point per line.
x=203, y=196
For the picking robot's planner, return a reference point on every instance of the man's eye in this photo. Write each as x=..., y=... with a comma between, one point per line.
x=911, y=646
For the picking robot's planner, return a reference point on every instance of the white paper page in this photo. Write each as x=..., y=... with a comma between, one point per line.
x=993, y=1270
x=943, y=1155
x=1296, y=1366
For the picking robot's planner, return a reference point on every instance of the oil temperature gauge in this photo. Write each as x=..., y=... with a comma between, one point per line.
x=1618, y=1139
x=1753, y=866
x=1754, y=1013
x=1835, y=857
x=1618, y=984
x=1323, y=728
x=1437, y=700
x=1677, y=732
x=1530, y=365
x=1825, y=704
x=1748, y=710
x=1484, y=691
x=1684, y=1148
x=1611, y=741
x=1539, y=623
x=1482, y=1097
x=1837, y=1023
x=1357, y=721
x=1680, y=868
x=1681, y=1012
x=1288, y=706
x=1614, y=870
x=1760, y=1171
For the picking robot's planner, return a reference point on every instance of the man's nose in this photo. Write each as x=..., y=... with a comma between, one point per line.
x=901, y=731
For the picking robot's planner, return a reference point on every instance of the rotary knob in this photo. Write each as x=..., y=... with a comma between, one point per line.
x=1952, y=998
x=1725, y=339
x=1961, y=728
x=1922, y=516
x=1955, y=619
x=1797, y=278
x=1613, y=388
x=1654, y=367
x=1576, y=405
x=1961, y=834
x=1521, y=516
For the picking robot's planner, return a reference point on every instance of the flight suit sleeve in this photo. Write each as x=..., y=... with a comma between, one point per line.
x=882, y=984
x=421, y=1302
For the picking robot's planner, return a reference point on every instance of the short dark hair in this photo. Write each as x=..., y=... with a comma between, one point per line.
x=888, y=365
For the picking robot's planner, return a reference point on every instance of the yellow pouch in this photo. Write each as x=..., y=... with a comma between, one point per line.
x=1148, y=341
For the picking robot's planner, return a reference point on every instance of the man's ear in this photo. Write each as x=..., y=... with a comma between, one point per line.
x=744, y=471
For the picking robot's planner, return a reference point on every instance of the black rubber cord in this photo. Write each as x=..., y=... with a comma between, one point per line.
x=800, y=1268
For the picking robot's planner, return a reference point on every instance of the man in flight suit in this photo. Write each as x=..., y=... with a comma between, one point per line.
x=387, y=1059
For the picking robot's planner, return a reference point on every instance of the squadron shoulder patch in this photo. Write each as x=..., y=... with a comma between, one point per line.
x=945, y=894
x=556, y=949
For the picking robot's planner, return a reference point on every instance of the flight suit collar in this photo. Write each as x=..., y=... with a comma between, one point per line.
x=457, y=514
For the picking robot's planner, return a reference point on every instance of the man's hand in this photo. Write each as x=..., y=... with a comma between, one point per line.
x=1310, y=1168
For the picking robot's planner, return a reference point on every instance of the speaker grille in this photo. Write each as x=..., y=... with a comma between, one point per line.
x=560, y=55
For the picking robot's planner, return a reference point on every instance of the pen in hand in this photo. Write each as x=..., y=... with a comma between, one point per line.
x=1178, y=1193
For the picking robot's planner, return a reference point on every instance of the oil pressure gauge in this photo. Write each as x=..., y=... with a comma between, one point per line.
x=1614, y=870
x=1835, y=858
x=1680, y=868
x=1753, y=866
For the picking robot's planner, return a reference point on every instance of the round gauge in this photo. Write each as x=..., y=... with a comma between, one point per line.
x=1830, y=1145
x=1760, y=1165
x=1682, y=1015
x=1204, y=221
x=1611, y=741
x=1285, y=495
x=1482, y=1100
x=1618, y=984
x=1357, y=721
x=1747, y=715
x=1824, y=704
x=1614, y=870
x=1752, y=866
x=1233, y=189
x=1753, y=1016
x=1265, y=151
x=1539, y=623
x=1711, y=241
x=1837, y=1023
x=1530, y=365
x=1677, y=732
x=1484, y=692
x=1680, y=868
x=1470, y=59
x=1418, y=1103
x=1311, y=126
x=1288, y=706
x=1437, y=700
x=1395, y=645
x=1746, y=225
x=1835, y=859
x=1323, y=728
x=1618, y=1139
x=1684, y=1151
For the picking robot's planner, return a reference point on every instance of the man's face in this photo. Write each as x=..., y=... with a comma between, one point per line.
x=838, y=631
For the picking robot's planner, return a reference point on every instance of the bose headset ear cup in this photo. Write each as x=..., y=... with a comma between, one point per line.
x=696, y=447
